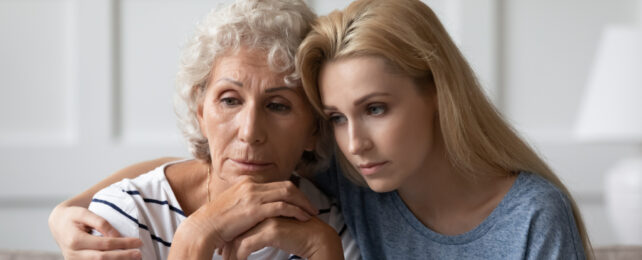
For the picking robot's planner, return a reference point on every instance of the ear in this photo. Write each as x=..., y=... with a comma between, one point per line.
x=201, y=122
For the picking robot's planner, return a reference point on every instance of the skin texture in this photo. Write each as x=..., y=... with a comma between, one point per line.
x=389, y=131
x=379, y=120
x=255, y=124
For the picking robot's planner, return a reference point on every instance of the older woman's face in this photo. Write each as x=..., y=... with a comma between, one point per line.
x=254, y=123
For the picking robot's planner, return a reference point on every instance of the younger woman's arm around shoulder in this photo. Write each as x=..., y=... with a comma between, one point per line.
x=70, y=222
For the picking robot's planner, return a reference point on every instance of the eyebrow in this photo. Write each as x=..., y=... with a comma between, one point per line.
x=237, y=83
x=279, y=88
x=366, y=97
x=360, y=100
x=270, y=90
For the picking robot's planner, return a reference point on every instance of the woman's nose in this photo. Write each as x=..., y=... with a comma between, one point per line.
x=252, y=128
x=359, y=140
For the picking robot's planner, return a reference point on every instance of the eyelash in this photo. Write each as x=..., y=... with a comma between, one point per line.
x=335, y=117
x=338, y=119
x=370, y=107
x=279, y=107
x=230, y=101
x=273, y=106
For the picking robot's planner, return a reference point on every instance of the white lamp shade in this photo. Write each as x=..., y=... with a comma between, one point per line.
x=611, y=109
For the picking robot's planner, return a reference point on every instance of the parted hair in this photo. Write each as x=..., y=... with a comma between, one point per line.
x=275, y=27
x=412, y=40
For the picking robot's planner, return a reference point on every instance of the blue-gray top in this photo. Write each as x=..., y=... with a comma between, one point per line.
x=533, y=221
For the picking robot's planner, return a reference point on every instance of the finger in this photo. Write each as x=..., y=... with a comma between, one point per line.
x=130, y=254
x=262, y=235
x=288, y=192
x=88, y=218
x=228, y=252
x=91, y=242
x=283, y=209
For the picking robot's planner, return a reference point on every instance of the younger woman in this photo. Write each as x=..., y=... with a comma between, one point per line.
x=447, y=177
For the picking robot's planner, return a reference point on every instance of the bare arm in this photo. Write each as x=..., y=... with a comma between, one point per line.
x=70, y=222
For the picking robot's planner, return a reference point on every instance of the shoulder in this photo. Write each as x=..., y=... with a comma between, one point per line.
x=532, y=193
x=547, y=217
x=145, y=184
x=125, y=203
x=119, y=197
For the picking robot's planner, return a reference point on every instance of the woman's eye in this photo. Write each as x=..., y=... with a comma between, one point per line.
x=337, y=119
x=278, y=107
x=230, y=101
x=376, y=109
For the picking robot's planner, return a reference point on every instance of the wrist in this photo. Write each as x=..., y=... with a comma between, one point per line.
x=329, y=247
x=192, y=245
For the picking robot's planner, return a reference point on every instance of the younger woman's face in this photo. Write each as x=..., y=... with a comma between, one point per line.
x=382, y=123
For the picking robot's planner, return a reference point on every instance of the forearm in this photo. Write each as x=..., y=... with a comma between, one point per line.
x=83, y=199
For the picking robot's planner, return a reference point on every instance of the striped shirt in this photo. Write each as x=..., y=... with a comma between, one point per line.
x=146, y=208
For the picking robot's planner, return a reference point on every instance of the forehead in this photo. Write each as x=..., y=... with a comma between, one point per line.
x=362, y=72
x=247, y=65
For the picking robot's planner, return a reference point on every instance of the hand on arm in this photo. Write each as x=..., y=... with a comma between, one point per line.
x=234, y=212
x=70, y=227
x=70, y=222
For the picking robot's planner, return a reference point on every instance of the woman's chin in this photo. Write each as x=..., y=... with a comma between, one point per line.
x=254, y=177
x=381, y=186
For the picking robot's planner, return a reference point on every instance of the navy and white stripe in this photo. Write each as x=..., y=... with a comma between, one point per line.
x=146, y=207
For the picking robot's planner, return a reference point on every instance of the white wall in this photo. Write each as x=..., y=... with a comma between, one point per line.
x=87, y=88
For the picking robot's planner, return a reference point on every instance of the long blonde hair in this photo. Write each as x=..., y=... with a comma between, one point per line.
x=411, y=38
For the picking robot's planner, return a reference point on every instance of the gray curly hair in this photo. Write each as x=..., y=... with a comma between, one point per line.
x=276, y=27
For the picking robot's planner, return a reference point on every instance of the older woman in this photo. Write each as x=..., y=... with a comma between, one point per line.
x=250, y=128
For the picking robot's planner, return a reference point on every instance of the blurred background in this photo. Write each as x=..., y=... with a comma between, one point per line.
x=87, y=89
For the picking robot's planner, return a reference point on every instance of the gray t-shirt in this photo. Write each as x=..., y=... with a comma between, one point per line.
x=533, y=221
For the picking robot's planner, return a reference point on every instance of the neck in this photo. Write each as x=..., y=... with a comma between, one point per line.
x=187, y=180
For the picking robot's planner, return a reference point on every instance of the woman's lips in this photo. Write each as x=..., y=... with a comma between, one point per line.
x=251, y=165
x=371, y=168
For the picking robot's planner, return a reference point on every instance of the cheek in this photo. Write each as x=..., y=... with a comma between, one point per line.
x=288, y=139
x=419, y=134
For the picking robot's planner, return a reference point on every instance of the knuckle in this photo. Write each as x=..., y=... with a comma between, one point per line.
x=289, y=186
x=105, y=244
x=103, y=224
x=285, y=192
x=251, y=211
x=74, y=242
x=281, y=206
x=100, y=256
x=272, y=224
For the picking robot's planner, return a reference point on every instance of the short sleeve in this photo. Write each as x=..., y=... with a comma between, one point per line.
x=118, y=208
x=121, y=211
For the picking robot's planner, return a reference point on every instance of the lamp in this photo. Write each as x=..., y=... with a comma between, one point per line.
x=611, y=111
